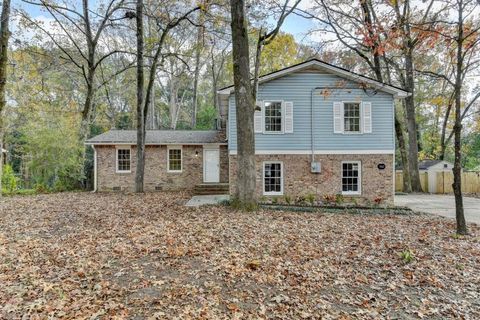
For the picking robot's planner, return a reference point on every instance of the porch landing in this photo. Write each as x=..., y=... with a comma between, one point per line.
x=198, y=201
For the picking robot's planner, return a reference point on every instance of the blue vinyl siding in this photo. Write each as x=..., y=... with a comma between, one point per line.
x=297, y=88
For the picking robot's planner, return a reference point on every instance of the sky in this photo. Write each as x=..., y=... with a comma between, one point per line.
x=295, y=25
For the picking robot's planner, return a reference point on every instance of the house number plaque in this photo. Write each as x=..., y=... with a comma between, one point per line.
x=381, y=166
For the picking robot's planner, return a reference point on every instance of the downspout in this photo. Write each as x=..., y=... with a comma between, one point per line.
x=312, y=136
x=94, y=169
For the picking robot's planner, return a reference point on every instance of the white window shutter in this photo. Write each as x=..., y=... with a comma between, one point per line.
x=338, y=117
x=288, y=117
x=367, y=117
x=258, y=117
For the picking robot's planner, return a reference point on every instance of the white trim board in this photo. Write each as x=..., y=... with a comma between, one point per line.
x=299, y=152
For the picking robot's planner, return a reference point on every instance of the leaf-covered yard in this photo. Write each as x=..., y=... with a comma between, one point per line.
x=78, y=255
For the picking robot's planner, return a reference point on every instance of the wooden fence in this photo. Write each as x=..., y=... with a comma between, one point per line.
x=444, y=180
x=399, y=181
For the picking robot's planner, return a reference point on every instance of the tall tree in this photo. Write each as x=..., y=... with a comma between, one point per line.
x=164, y=28
x=79, y=36
x=467, y=42
x=141, y=132
x=266, y=37
x=461, y=34
x=4, y=36
x=198, y=51
x=244, y=101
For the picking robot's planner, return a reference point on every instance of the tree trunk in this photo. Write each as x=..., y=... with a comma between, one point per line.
x=140, y=169
x=172, y=103
x=87, y=106
x=443, y=140
x=367, y=18
x=411, y=124
x=246, y=177
x=457, y=168
x=198, y=51
x=403, y=155
x=457, y=128
x=4, y=36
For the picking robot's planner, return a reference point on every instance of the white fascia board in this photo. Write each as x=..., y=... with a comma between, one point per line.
x=319, y=152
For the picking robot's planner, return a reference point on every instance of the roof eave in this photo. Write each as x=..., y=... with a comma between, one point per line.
x=112, y=143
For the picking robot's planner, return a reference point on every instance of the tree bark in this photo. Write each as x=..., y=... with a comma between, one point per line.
x=411, y=123
x=367, y=18
x=457, y=128
x=198, y=52
x=403, y=155
x=140, y=169
x=246, y=174
x=4, y=36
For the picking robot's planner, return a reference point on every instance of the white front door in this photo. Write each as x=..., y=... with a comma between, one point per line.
x=211, y=165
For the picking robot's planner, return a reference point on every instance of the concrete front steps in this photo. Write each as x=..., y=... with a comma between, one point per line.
x=211, y=188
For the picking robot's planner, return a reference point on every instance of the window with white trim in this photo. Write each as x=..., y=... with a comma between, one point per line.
x=273, y=116
x=123, y=159
x=174, y=159
x=272, y=178
x=351, y=117
x=351, y=177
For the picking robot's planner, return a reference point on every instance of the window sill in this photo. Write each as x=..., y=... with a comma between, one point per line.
x=120, y=172
x=351, y=193
x=272, y=132
x=273, y=193
x=174, y=171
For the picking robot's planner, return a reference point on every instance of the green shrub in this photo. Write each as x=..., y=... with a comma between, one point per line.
x=311, y=198
x=41, y=188
x=339, y=199
x=9, y=181
x=288, y=200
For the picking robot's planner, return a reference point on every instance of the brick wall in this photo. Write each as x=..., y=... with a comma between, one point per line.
x=156, y=174
x=298, y=180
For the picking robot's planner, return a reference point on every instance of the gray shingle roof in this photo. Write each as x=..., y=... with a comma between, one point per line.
x=159, y=137
x=425, y=164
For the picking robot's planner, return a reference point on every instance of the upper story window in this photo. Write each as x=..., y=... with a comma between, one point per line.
x=351, y=117
x=273, y=116
x=123, y=159
x=175, y=159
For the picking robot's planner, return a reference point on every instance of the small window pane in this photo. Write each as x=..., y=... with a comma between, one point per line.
x=175, y=159
x=350, y=177
x=273, y=117
x=351, y=117
x=273, y=177
x=123, y=159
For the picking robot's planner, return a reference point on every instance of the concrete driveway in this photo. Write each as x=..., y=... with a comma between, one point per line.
x=442, y=205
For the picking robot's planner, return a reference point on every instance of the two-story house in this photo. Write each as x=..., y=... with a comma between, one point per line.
x=319, y=129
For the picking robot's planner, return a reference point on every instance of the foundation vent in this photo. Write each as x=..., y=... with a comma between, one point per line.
x=117, y=188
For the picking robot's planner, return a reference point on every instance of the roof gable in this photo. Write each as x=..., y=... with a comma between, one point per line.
x=316, y=65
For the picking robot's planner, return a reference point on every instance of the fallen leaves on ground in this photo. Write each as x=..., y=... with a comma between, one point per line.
x=115, y=256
